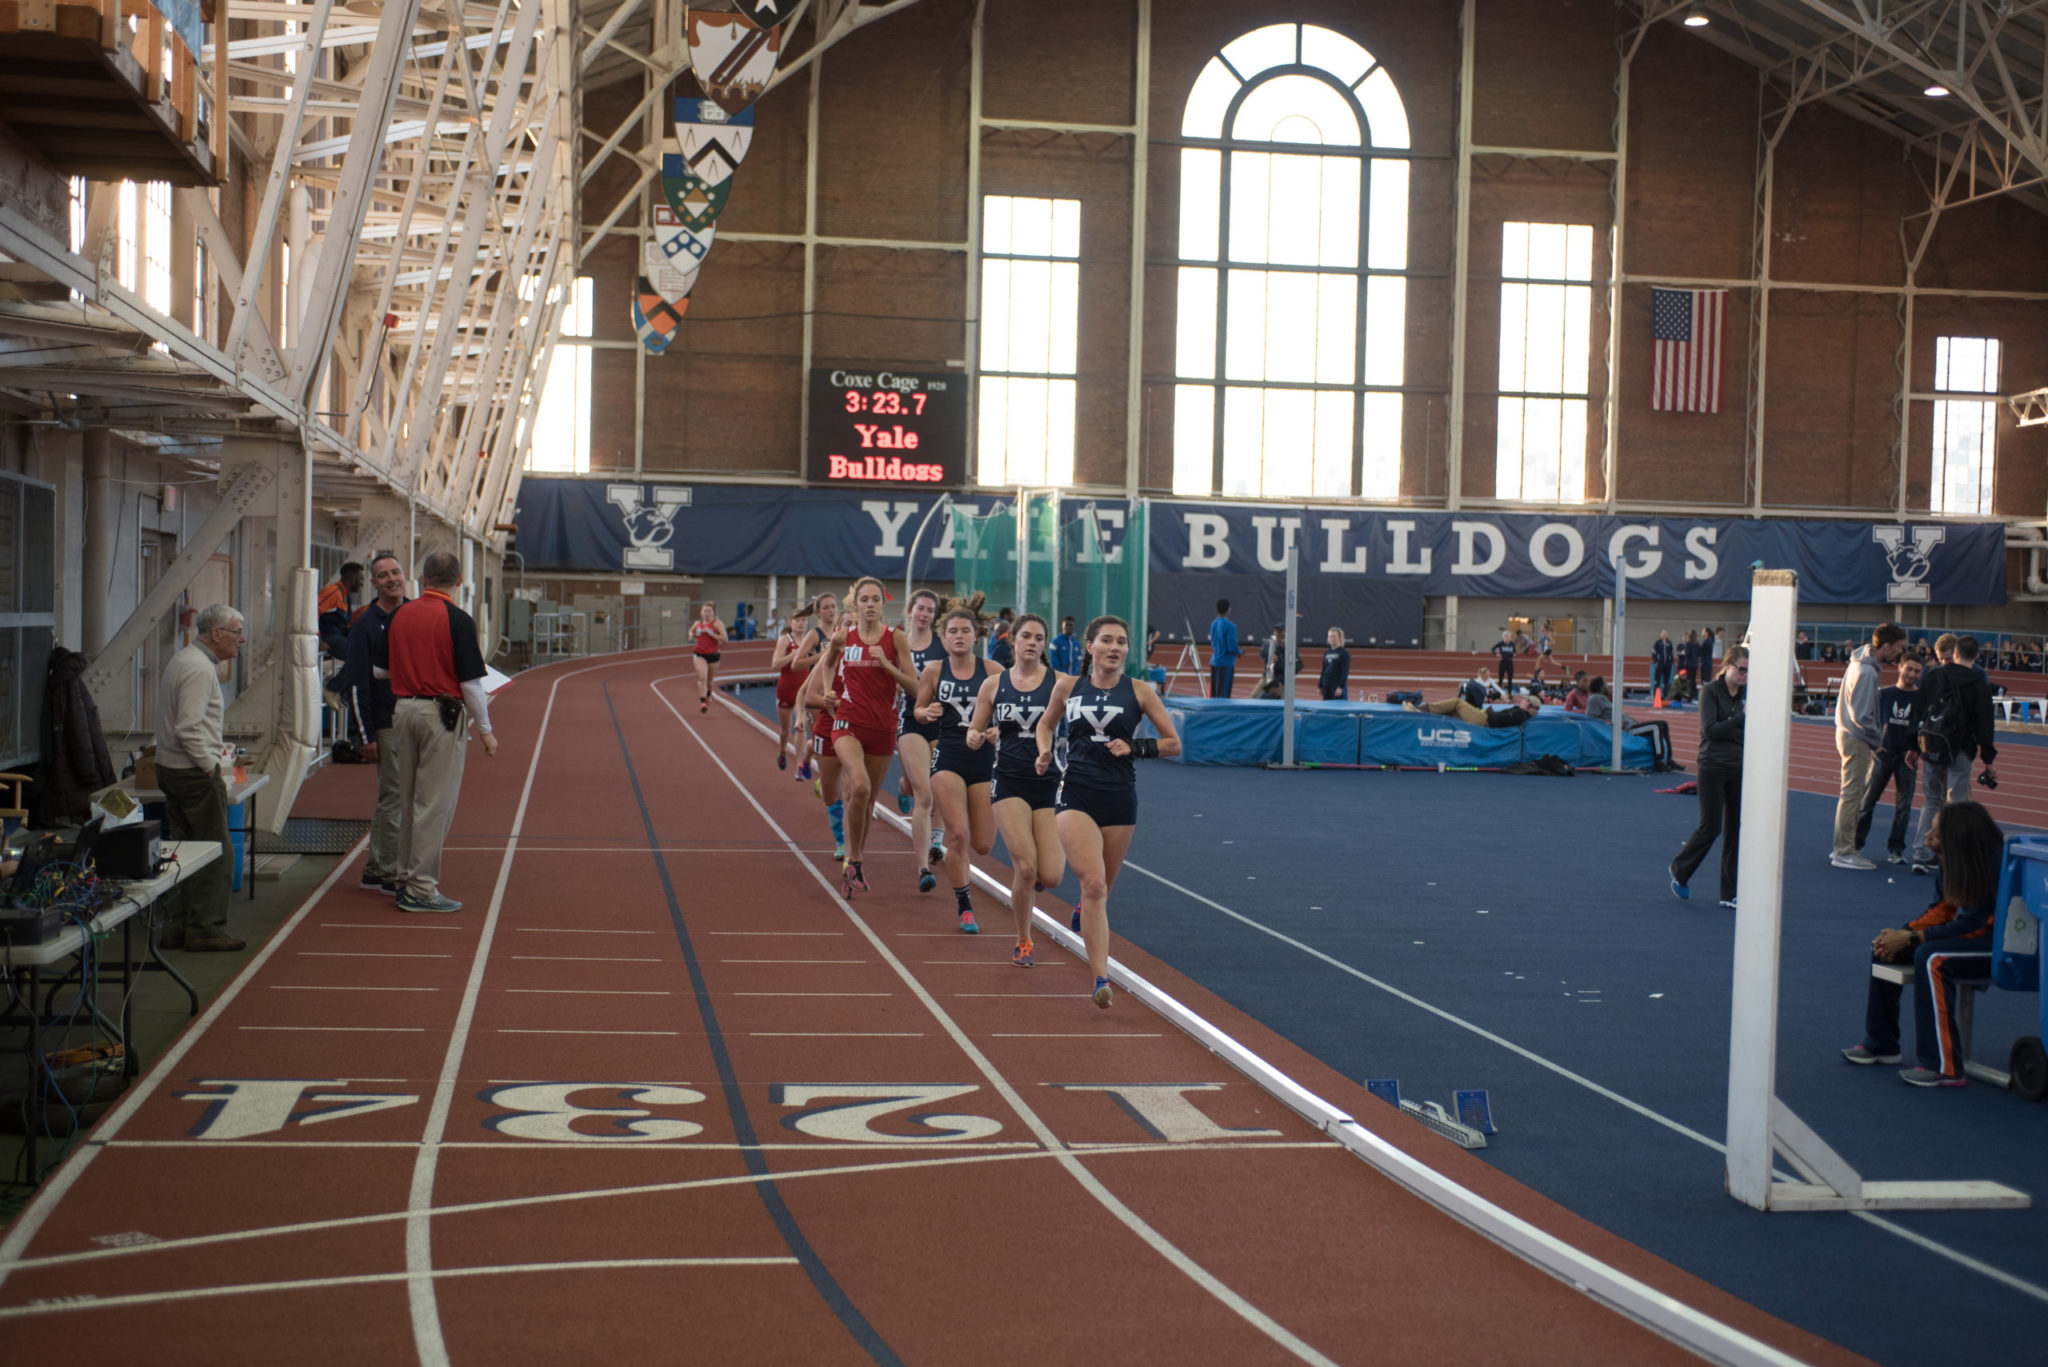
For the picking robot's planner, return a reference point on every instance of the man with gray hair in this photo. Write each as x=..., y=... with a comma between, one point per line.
x=191, y=765
x=437, y=672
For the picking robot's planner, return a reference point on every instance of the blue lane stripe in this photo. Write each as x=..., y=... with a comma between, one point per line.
x=743, y=1128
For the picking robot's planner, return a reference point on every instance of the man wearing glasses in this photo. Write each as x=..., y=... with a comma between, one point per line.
x=192, y=767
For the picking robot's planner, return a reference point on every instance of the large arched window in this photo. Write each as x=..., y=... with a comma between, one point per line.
x=1288, y=354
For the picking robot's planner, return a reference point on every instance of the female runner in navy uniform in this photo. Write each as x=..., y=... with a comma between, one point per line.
x=914, y=738
x=961, y=770
x=1006, y=716
x=791, y=666
x=1098, y=799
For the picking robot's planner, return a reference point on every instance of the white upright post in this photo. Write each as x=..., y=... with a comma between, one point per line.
x=1615, y=693
x=1286, y=662
x=1759, y=885
x=1760, y=1126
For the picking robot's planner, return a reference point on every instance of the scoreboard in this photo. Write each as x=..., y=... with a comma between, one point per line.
x=888, y=429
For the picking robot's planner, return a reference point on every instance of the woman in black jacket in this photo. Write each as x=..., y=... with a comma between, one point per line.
x=1720, y=778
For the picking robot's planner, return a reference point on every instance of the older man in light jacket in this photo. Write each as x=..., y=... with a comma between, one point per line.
x=1859, y=736
x=191, y=769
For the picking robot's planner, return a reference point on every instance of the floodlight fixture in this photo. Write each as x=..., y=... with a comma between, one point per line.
x=1936, y=91
x=1696, y=15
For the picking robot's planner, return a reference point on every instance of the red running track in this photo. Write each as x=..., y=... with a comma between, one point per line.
x=658, y=1090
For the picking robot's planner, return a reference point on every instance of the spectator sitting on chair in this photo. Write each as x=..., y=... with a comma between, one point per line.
x=1948, y=944
x=1517, y=714
x=1334, y=683
x=1575, y=696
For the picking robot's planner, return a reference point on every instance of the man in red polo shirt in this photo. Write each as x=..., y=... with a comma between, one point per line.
x=437, y=676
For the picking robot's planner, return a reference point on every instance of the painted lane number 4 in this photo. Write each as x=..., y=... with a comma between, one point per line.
x=248, y=1106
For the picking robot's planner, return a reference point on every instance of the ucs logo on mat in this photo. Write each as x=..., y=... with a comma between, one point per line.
x=1442, y=737
x=649, y=525
x=1910, y=564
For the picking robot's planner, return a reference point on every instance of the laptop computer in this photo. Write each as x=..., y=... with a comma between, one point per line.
x=88, y=836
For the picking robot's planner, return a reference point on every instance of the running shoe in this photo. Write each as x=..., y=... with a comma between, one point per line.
x=925, y=881
x=803, y=770
x=936, y=854
x=781, y=759
x=838, y=848
x=905, y=802
x=1021, y=955
x=1895, y=857
x=1075, y=924
x=1867, y=1057
x=1928, y=1077
x=1728, y=902
x=703, y=704
x=968, y=925
x=1679, y=890
x=1102, y=993
x=859, y=877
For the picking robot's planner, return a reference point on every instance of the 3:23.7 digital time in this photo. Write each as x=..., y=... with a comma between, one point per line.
x=888, y=401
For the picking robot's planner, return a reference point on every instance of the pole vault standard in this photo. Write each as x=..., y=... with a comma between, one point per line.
x=1286, y=661
x=1616, y=693
x=1758, y=1122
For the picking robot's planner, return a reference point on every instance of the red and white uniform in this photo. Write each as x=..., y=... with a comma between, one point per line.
x=867, y=693
x=792, y=676
x=704, y=637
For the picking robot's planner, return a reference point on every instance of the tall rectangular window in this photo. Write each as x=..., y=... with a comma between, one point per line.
x=1546, y=321
x=560, y=440
x=156, y=246
x=1030, y=328
x=1964, y=428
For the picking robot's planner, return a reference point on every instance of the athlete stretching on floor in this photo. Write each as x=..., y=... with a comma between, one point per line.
x=1098, y=798
x=870, y=659
x=961, y=766
x=707, y=634
x=1006, y=716
x=914, y=738
x=791, y=664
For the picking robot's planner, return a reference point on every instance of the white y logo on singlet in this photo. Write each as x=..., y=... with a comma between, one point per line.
x=964, y=707
x=1023, y=715
x=1097, y=717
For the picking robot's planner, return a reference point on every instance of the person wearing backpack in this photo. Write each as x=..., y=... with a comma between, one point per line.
x=1955, y=727
x=1858, y=737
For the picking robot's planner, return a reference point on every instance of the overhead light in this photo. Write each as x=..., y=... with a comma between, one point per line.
x=1935, y=91
x=1696, y=16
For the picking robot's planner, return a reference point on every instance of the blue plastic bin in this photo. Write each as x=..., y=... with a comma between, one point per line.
x=2022, y=900
x=235, y=837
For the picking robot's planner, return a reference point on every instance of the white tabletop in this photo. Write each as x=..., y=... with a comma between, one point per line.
x=237, y=789
x=123, y=901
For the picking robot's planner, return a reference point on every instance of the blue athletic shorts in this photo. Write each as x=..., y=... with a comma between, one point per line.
x=973, y=766
x=1039, y=791
x=1107, y=806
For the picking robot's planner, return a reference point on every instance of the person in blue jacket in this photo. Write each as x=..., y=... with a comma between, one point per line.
x=1223, y=651
x=1948, y=944
x=1064, y=654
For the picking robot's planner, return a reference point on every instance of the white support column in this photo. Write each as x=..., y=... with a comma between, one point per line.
x=1461, y=260
x=1141, y=173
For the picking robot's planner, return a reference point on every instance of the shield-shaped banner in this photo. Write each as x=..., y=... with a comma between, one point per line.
x=674, y=254
x=709, y=143
x=732, y=56
x=696, y=204
x=655, y=319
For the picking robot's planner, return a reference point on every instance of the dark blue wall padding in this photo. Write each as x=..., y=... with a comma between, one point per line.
x=1243, y=732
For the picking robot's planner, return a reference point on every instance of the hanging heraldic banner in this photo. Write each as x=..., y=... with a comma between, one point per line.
x=885, y=428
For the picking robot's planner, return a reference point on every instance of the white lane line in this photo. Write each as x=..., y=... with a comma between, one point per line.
x=345, y=1029
x=1048, y=996
x=509, y=1030
x=792, y=961
x=421, y=1297
x=363, y=954
x=374, y=1279
x=819, y=934
x=1956, y=1256
x=578, y=930
x=582, y=959
x=592, y=991
x=382, y=925
x=1065, y=1157
x=31, y=1220
x=294, y=987
x=1083, y=1034
x=836, y=1034
x=813, y=994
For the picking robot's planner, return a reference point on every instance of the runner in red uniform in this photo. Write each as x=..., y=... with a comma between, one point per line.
x=814, y=703
x=794, y=664
x=872, y=662
x=707, y=634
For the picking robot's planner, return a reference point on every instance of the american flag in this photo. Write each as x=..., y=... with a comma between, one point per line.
x=1685, y=339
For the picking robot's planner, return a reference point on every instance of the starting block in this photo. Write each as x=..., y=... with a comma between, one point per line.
x=1467, y=1129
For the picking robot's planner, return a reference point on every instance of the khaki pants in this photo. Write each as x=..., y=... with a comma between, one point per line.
x=429, y=782
x=1857, y=761
x=1459, y=708
x=383, y=863
x=196, y=808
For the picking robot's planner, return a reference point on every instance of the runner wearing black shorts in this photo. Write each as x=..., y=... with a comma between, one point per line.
x=1006, y=716
x=961, y=771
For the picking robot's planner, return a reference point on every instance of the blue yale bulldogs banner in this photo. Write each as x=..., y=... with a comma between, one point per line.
x=1528, y=555
x=624, y=526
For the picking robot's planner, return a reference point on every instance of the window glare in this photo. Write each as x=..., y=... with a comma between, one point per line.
x=1300, y=326
x=1962, y=472
x=1545, y=350
x=1030, y=324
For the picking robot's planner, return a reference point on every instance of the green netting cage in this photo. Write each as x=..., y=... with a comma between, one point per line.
x=1057, y=555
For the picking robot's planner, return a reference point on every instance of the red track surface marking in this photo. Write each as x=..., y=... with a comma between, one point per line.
x=956, y=1147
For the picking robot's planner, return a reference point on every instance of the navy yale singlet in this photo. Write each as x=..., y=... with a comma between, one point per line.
x=1095, y=717
x=1017, y=713
x=918, y=660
